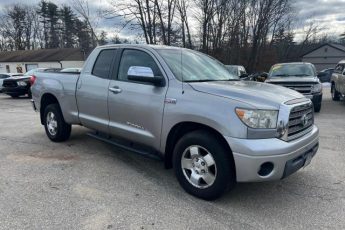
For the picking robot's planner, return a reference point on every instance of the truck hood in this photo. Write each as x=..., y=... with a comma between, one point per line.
x=259, y=95
x=292, y=79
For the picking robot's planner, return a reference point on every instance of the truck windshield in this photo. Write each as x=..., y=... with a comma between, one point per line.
x=288, y=70
x=192, y=66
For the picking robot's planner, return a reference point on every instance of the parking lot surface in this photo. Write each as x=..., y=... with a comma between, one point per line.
x=87, y=184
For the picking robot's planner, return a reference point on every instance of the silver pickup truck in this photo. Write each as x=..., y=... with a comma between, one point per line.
x=338, y=81
x=185, y=107
x=299, y=76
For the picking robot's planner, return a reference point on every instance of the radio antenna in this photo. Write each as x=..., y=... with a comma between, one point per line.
x=182, y=70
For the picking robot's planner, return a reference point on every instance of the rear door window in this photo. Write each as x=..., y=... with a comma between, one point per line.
x=102, y=65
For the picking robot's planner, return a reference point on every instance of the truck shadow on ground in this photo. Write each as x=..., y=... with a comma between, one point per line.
x=249, y=195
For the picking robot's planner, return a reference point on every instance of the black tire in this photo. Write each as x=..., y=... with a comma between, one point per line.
x=223, y=163
x=317, y=107
x=14, y=95
x=63, y=130
x=335, y=93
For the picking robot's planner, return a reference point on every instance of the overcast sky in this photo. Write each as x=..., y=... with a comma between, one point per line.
x=328, y=14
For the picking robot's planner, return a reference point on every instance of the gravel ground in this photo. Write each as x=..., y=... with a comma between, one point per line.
x=87, y=184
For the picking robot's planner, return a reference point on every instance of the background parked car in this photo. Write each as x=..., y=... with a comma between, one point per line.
x=299, y=76
x=338, y=81
x=7, y=75
x=16, y=86
x=325, y=75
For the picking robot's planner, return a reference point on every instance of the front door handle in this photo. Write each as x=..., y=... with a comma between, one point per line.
x=115, y=89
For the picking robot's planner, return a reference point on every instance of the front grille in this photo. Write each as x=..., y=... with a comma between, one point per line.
x=301, y=120
x=9, y=83
x=303, y=87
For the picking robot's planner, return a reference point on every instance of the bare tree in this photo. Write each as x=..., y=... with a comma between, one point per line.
x=90, y=18
x=182, y=6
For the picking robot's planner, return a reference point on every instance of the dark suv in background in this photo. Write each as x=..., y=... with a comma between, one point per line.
x=299, y=76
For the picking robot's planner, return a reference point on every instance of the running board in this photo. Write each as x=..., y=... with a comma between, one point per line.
x=143, y=152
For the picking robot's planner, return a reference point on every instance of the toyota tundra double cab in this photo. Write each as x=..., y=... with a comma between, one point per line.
x=185, y=107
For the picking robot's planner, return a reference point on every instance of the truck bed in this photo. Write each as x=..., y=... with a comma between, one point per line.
x=63, y=87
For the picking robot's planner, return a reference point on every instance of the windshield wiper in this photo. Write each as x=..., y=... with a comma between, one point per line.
x=301, y=75
x=206, y=80
x=200, y=80
x=280, y=75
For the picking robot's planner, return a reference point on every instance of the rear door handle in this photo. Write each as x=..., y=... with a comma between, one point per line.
x=115, y=90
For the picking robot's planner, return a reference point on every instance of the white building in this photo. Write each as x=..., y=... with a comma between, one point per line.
x=325, y=56
x=21, y=61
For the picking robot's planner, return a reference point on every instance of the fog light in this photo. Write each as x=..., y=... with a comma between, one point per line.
x=266, y=168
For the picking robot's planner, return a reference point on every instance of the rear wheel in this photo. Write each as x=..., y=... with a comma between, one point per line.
x=335, y=93
x=56, y=128
x=203, y=166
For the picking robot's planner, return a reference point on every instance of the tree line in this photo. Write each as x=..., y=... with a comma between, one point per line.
x=26, y=27
x=253, y=33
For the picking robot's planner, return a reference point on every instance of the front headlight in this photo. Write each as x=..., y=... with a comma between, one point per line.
x=21, y=83
x=258, y=119
x=316, y=88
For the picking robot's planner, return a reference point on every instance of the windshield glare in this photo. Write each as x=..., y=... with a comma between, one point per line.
x=192, y=66
x=298, y=70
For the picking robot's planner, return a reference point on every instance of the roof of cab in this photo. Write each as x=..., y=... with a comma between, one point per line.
x=294, y=63
x=139, y=46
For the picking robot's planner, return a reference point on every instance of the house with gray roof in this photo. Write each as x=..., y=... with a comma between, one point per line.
x=21, y=61
x=325, y=56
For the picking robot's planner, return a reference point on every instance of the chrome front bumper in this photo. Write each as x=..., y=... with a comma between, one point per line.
x=250, y=154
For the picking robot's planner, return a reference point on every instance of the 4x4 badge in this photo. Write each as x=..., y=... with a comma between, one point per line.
x=170, y=100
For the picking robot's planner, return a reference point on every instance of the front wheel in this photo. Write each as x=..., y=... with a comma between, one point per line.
x=56, y=128
x=203, y=166
x=317, y=107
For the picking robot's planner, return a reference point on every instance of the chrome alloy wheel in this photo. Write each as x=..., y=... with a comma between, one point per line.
x=52, y=123
x=198, y=166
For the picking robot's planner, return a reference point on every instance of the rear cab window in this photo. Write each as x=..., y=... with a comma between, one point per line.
x=102, y=66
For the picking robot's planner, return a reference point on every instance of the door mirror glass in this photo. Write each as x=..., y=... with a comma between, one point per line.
x=144, y=74
x=140, y=71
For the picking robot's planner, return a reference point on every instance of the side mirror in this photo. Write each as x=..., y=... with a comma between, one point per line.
x=144, y=74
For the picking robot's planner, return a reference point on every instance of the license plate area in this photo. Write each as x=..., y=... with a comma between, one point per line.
x=302, y=160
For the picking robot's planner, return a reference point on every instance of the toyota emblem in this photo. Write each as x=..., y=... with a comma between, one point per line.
x=304, y=120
